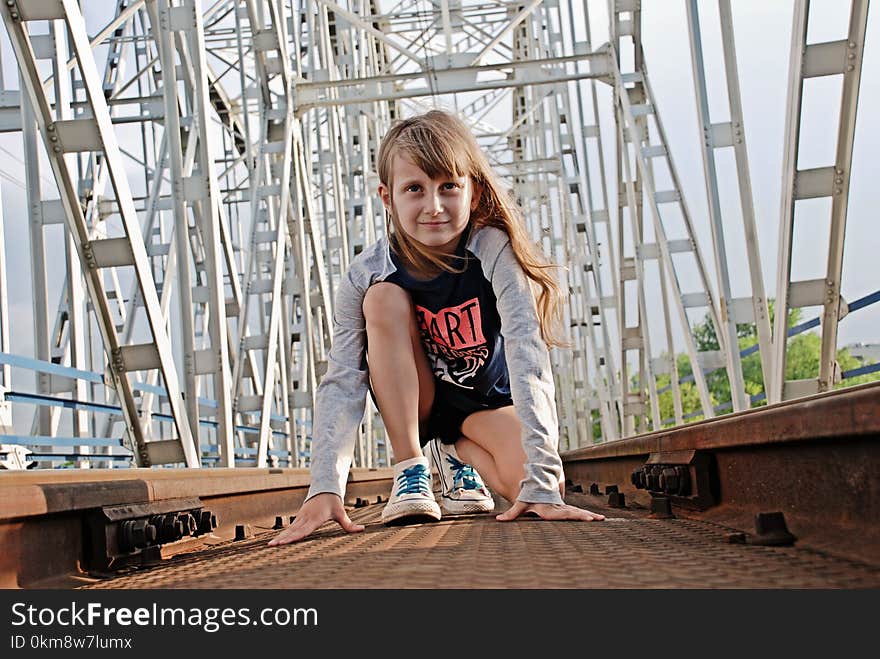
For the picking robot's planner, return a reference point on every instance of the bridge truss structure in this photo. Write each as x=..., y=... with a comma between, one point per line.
x=206, y=171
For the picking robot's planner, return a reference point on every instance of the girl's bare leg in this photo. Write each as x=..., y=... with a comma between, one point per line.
x=492, y=443
x=400, y=375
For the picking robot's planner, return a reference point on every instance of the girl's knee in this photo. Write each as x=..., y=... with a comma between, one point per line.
x=386, y=303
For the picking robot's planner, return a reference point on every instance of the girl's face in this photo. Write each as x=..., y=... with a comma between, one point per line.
x=433, y=211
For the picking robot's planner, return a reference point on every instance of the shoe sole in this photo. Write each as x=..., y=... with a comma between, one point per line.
x=419, y=513
x=453, y=507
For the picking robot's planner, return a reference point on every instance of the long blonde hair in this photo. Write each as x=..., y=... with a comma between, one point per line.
x=442, y=145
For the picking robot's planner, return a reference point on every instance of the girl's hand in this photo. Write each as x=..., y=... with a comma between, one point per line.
x=549, y=511
x=314, y=512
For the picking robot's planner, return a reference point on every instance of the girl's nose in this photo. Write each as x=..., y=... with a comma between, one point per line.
x=434, y=206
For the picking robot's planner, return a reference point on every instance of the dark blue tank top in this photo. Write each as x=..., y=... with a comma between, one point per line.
x=460, y=328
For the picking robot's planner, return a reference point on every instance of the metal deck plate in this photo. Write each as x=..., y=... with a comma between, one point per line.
x=628, y=550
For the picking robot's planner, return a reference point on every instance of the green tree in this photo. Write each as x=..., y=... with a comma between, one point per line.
x=802, y=362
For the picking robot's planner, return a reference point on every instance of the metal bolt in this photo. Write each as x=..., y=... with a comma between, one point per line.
x=207, y=521
x=850, y=68
x=669, y=480
x=56, y=149
x=661, y=508
x=188, y=523
x=772, y=529
x=617, y=500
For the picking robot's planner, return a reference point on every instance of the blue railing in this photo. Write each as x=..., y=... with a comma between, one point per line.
x=37, y=443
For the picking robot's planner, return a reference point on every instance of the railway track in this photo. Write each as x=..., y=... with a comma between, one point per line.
x=778, y=497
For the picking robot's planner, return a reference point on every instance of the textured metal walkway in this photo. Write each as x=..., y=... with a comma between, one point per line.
x=628, y=550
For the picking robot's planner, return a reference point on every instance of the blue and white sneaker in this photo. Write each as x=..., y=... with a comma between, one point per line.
x=412, y=501
x=463, y=491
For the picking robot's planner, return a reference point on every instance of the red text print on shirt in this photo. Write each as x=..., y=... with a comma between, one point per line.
x=454, y=340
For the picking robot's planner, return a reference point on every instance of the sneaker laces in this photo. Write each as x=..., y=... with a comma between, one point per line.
x=464, y=474
x=413, y=480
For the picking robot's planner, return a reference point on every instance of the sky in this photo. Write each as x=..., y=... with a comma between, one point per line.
x=763, y=34
x=763, y=42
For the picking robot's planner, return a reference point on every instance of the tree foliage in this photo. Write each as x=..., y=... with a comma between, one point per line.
x=802, y=362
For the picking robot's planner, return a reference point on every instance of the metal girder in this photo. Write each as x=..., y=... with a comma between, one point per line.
x=642, y=130
x=733, y=132
x=844, y=58
x=68, y=10
x=252, y=172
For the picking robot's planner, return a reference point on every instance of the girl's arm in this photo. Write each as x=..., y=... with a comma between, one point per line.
x=531, y=379
x=341, y=396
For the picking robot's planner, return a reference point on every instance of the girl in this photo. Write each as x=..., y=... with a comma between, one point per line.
x=439, y=323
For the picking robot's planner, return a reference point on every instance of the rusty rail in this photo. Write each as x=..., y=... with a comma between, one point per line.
x=814, y=459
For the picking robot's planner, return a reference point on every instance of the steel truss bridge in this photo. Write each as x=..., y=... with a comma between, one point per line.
x=210, y=167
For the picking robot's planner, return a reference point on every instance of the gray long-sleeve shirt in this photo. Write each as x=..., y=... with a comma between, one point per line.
x=341, y=396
